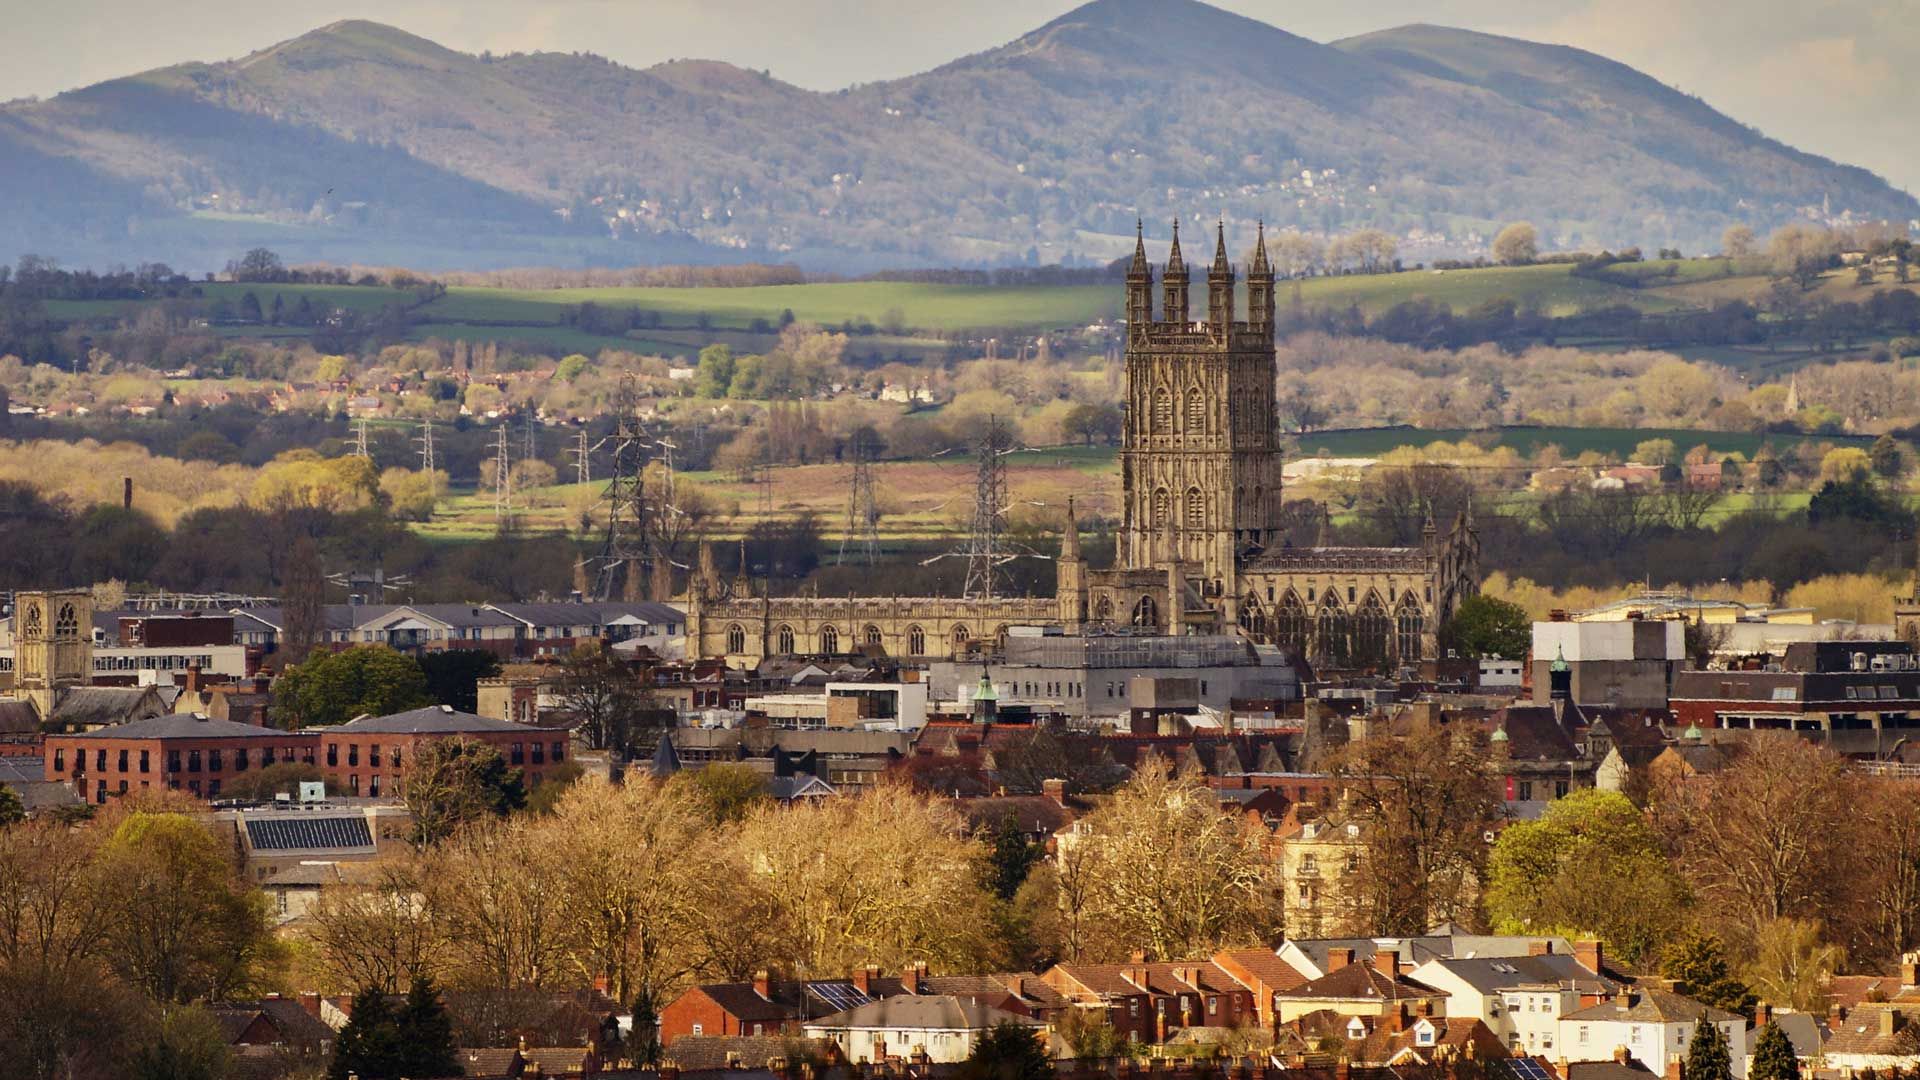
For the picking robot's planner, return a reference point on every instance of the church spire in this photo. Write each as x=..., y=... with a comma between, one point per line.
x=1175, y=281
x=1220, y=284
x=1260, y=263
x=1070, y=539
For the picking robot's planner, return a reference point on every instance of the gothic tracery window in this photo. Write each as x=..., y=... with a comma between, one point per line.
x=1162, y=507
x=1196, y=509
x=1253, y=618
x=1162, y=411
x=1196, y=411
x=871, y=635
x=1331, y=631
x=68, y=624
x=829, y=640
x=916, y=641
x=1146, y=612
x=1291, y=626
x=960, y=637
x=736, y=638
x=1411, y=624
x=1371, y=630
x=1103, y=609
x=783, y=639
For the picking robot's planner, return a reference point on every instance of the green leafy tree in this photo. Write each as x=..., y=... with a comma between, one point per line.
x=179, y=923
x=1485, y=626
x=1773, y=1057
x=1561, y=872
x=369, y=1046
x=1007, y=1051
x=1708, y=1057
x=1010, y=858
x=1697, y=964
x=713, y=377
x=425, y=1033
x=727, y=791
x=12, y=810
x=453, y=676
x=570, y=368
x=456, y=781
x=332, y=688
x=187, y=1045
x=1889, y=461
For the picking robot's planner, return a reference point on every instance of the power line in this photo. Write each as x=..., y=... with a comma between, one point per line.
x=360, y=438
x=502, y=479
x=863, y=513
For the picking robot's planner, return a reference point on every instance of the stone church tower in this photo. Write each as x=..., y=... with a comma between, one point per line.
x=52, y=645
x=1201, y=455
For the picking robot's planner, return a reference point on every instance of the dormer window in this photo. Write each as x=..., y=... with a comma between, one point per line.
x=1423, y=1034
x=1356, y=1029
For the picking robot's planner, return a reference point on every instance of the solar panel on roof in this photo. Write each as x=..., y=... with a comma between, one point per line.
x=839, y=996
x=287, y=834
x=1525, y=1068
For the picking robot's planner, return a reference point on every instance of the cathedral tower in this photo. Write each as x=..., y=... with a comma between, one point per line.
x=52, y=645
x=1200, y=457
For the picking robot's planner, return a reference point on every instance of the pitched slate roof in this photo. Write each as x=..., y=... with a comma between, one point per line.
x=431, y=720
x=1651, y=1007
x=183, y=726
x=1864, y=1032
x=18, y=718
x=1495, y=973
x=939, y=1012
x=1359, y=981
x=93, y=705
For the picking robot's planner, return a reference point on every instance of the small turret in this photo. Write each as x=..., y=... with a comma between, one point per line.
x=1070, y=539
x=1139, y=282
x=1220, y=284
x=1260, y=283
x=742, y=584
x=1174, y=280
x=708, y=584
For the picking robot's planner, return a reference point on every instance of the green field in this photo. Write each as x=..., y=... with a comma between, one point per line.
x=1526, y=441
x=926, y=307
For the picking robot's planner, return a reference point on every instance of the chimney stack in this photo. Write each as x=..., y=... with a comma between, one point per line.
x=1386, y=962
x=1589, y=954
x=865, y=977
x=1539, y=948
x=1910, y=969
x=126, y=492
x=1889, y=1022
x=1673, y=1067
x=763, y=984
x=1055, y=790
x=1338, y=958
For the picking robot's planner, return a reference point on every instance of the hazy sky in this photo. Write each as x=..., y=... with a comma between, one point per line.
x=1834, y=77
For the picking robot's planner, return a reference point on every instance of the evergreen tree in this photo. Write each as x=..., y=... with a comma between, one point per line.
x=425, y=1033
x=1773, y=1056
x=369, y=1046
x=1010, y=859
x=1010, y=1051
x=1708, y=1057
x=644, y=1044
x=1697, y=964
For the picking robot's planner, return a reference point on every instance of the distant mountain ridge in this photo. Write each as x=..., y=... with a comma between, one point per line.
x=360, y=142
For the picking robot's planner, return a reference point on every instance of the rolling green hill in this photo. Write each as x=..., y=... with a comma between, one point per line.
x=359, y=142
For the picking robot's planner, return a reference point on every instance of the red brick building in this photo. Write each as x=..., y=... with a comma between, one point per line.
x=182, y=752
x=370, y=756
x=1146, y=1001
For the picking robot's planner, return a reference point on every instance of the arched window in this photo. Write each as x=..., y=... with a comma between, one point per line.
x=1162, y=411
x=67, y=624
x=1372, y=631
x=999, y=637
x=736, y=638
x=871, y=635
x=829, y=640
x=1331, y=632
x=1162, y=507
x=959, y=635
x=916, y=641
x=1291, y=626
x=32, y=628
x=1146, y=612
x=1103, y=608
x=1196, y=509
x=1411, y=625
x=783, y=639
x=1196, y=411
x=1253, y=618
